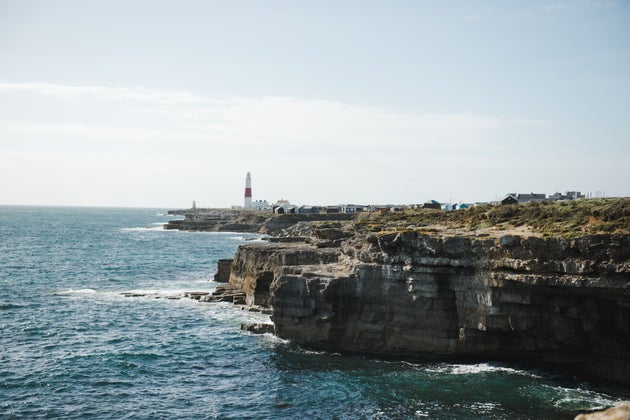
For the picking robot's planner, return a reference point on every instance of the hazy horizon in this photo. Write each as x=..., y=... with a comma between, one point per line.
x=156, y=104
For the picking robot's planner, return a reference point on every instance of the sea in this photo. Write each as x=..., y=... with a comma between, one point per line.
x=94, y=325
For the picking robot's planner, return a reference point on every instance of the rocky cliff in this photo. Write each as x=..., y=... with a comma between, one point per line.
x=415, y=294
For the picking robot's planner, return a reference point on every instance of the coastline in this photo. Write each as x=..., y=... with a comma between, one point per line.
x=443, y=291
x=225, y=220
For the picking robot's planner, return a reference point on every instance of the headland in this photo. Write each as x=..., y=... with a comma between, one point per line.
x=227, y=220
x=542, y=283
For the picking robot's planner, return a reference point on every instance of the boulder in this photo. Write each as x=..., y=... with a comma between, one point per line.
x=258, y=328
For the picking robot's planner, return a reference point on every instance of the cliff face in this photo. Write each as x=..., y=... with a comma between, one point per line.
x=411, y=294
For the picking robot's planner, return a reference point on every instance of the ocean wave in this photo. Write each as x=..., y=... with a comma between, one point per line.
x=478, y=368
x=8, y=306
x=76, y=292
x=152, y=227
x=173, y=294
x=274, y=339
x=246, y=238
x=579, y=398
x=112, y=383
x=155, y=293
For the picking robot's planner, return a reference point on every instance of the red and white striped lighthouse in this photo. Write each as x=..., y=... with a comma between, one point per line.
x=248, y=191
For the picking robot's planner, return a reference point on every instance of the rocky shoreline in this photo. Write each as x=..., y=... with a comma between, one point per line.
x=553, y=301
x=547, y=284
x=224, y=220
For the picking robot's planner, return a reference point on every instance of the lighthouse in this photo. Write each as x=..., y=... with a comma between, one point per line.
x=248, y=191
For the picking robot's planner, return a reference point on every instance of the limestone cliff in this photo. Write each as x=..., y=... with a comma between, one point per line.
x=546, y=283
x=418, y=293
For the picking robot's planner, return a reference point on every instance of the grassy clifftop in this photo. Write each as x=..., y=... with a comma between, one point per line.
x=563, y=218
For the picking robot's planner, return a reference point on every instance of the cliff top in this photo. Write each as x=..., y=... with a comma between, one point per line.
x=547, y=219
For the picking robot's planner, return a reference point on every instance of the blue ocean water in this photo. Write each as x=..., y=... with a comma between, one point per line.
x=72, y=345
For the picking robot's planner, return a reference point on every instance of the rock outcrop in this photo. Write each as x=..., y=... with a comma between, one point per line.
x=412, y=294
x=223, y=270
x=225, y=220
x=258, y=327
x=619, y=412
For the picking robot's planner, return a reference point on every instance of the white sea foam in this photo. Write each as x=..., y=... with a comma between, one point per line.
x=582, y=399
x=153, y=292
x=152, y=227
x=76, y=292
x=271, y=338
x=108, y=295
x=484, y=407
x=477, y=368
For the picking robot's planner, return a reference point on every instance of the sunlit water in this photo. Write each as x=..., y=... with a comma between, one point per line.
x=73, y=346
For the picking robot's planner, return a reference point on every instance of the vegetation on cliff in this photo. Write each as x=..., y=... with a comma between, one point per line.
x=562, y=218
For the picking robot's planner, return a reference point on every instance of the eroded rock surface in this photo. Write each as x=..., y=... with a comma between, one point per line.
x=224, y=267
x=413, y=294
x=619, y=412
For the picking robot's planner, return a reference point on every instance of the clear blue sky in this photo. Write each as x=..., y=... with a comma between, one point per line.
x=158, y=103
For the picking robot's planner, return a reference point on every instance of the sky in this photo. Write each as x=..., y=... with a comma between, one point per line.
x=151, y=103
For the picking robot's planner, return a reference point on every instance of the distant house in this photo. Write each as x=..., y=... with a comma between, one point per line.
x=574, y=195
x=284, y=207
x=526, y=198
x=569, y=195
x=508, y=199
x=285, y=210
x=432, y=204
x=262, y=205
x=513, y=198
x=352, y=208
x=381, y=208
x=308, y=210
x=460, y=206
x=333, y=209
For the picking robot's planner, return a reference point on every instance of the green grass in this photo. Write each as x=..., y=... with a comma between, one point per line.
x=563, y=218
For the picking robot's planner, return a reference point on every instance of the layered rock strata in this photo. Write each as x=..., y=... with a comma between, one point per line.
x=413, y=294
x=223, y=270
